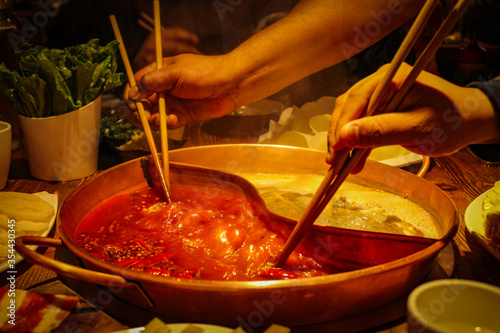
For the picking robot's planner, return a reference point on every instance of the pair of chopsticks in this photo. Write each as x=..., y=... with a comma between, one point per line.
x=162, y=167
x=346, y=159
x=147, y=22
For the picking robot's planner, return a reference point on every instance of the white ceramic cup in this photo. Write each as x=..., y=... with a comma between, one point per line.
x=63, y=147
x=5, y=149
x=454, y=306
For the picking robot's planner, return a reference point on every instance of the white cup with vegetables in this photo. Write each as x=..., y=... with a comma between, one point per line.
x=57, y=95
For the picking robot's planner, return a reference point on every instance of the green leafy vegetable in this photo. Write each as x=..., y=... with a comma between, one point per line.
x=50, y=82
x=119, y=129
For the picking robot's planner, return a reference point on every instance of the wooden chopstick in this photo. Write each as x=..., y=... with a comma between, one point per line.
x=145, y=25
x=140, y=108
x=147, y=22
x=380, y=94
x=161, y=96
x=430, y=50
x=346, y=160
x=148, y=18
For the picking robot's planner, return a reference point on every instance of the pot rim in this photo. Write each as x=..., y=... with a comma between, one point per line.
x=213, y=285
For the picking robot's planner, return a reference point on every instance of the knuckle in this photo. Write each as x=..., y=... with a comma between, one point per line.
x=372, y=133
x=148, y=82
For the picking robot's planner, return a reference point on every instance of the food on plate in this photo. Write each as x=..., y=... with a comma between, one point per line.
x=140, y=142
x=118, y=128
x=23, y=311
x=214, y=232
x=274, y=328
x=491, y=215
x=25, y=206
x=492, y=227
x=124, y=136
x=22, y=214
x=156, y=325
x=191, y=328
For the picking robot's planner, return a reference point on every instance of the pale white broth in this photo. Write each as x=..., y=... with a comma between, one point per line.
x=354, y=206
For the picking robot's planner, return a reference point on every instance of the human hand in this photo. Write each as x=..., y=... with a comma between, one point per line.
x=196, y=87
x=174, y=41
x=436, y=118
x=151, y=114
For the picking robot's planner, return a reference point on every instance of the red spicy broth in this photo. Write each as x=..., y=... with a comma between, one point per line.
x=201, y=234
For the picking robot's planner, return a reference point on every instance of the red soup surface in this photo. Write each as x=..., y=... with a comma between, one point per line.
x=210, y=235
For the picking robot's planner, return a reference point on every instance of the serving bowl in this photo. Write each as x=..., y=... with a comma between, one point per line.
x=256, y=303
x=453, y=305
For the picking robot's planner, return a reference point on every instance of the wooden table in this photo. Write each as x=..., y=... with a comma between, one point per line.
x=462, y=176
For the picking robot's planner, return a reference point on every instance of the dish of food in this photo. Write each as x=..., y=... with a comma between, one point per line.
x=219, y=233
x=52, y=82
x=346, y=294
x=206, y=328
x=179, y=328
x=33, y=312
x=353, y=206
x=307, y=126
x=156, y=325
x=32, y=221
x=200, y=235
x=475, y=224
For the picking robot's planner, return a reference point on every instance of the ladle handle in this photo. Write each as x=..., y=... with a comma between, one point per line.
x=63, y=268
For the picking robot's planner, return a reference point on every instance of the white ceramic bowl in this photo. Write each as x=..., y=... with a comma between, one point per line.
x=454, y=306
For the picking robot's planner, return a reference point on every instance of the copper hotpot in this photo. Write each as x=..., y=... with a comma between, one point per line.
x=296, y=303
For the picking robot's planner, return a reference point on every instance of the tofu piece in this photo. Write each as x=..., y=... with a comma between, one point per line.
x=492, y=226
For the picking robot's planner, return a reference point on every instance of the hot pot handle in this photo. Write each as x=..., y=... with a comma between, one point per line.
x=425, y=166
x=62, y=268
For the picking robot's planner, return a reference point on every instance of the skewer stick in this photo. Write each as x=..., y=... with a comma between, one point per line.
x=161, y=96
x=140, y=108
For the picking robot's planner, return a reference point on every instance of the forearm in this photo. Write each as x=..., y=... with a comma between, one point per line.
x=482, y=120
x=489, y=150
x=483, y=103
x=315, y=35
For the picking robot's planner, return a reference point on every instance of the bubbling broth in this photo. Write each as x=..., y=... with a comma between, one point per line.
x=219, y=233
x=212, y=235
x=354, y=206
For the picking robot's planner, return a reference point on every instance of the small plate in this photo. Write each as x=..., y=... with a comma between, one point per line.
x=51, y=199
x=178, y=328
x=474, y=223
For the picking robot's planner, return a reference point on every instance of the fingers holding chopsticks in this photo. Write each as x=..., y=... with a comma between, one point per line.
x=434, y=119
x=196, y=87
x=151, y=114
x=349, y=107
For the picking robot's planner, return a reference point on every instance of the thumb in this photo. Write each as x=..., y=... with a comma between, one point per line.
x=380, y=130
